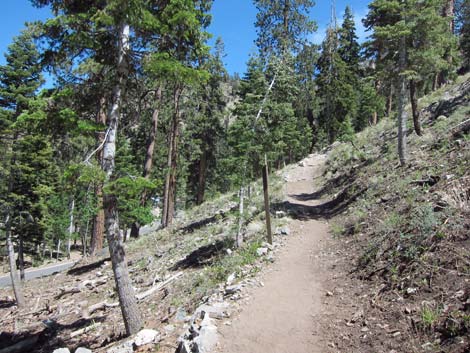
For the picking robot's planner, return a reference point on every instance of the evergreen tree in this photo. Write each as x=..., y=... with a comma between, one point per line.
x=463, y=28
x=26, y=155
x=336, y=92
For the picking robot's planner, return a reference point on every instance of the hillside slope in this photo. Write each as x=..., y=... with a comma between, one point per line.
x=408, y=230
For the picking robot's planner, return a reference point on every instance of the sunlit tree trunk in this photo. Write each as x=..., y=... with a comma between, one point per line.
x=97, y=236
x=127, y=301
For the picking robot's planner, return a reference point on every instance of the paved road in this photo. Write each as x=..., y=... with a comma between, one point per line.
x=40, y=272
x=5, y=281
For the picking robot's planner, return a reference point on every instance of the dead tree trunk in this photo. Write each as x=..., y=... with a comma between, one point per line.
x=97, y=236
x=149, y=156
x=127, y=301
x=414, y=107
x=15, y=281
x=390, y=101
x=402, y=115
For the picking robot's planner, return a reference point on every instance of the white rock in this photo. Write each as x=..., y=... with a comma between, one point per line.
x=261, y=251
x=82, y=350
x=146, y=336
x=231, y=279
x=208, y=336
x=61, y=350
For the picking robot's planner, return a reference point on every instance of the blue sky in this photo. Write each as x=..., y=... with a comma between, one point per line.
x=233, y=20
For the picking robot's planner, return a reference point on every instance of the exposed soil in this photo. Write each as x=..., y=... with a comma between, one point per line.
x=289, y=313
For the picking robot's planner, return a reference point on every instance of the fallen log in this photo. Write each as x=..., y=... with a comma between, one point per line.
x=143, y=295
x=84, y=330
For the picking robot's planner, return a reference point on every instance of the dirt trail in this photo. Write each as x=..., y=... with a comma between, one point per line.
x=284, y=315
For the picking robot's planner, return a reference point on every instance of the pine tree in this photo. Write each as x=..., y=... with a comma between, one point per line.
x=20, y=78
x=463, y=28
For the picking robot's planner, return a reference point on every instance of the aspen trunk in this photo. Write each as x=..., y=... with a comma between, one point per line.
x=127, y=301
x=135, y=229
x=15, y=281
x=97, y=236
x=402, y=116
x=414, y=108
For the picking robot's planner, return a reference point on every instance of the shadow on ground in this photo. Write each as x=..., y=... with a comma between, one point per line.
x=327, y=209
x=203, y=256
x=46, y=339
x=88, y=267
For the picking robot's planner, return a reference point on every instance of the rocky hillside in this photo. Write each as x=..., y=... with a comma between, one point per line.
x=176, y=272
x=407, y=230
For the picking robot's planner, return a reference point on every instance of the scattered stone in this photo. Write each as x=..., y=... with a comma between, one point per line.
x=261, y=251
x=146, y=336
x=229, y=252
x=184, y=347
x=395, y=334
x=208, y=336
x=365, y=329
x=233, y=289
x=169, y=328
x=181, y=314
x=410, y=291
x=124, y=347
x=329, y=294
x=231, y=279
x=61, y=350
x=280, y=214
x=82, y=350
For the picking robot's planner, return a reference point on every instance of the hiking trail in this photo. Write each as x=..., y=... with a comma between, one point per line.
x=285, y=314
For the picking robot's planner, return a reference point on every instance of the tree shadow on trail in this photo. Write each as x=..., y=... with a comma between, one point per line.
x=327, y=209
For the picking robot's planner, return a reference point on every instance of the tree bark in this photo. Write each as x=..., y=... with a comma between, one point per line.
x=239, y=239
x=127, y=301
x=414, y=108
x=71, y=226
x=402, y=115
x=149, y=156
x=21, y=256
x=170, y=184
x=97, y=237
x=390, y=101
x=15, y=281
x=201, y=185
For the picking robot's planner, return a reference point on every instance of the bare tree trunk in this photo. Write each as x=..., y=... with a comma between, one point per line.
x=239, y=240
x=97, y=237
x=71, y=226
x=149, y=156
x=390, y=101
x=414, y=108
x=21, y=256
x=402, y=115
x=170, y=185
x=127, y=301
x=58, y=251
x=201, y=185
x=15, y=281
